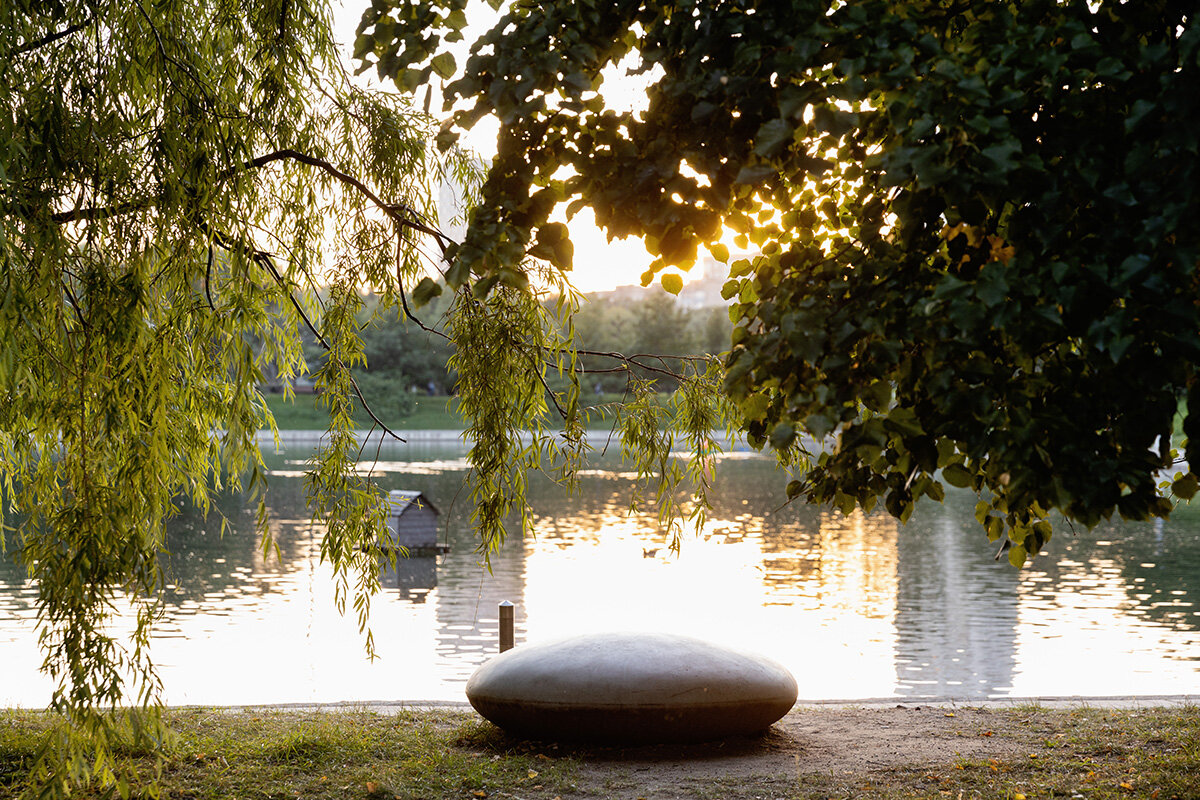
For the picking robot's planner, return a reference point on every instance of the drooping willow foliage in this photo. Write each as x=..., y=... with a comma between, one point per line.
x=185, y=186
x=177, y=180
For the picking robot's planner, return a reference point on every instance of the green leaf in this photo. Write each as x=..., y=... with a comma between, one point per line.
x=877, y=396
x=483, y=286
x=363, y=44
x=754, y=174
x=1138, y=112
x=425, y=291
x=564, y=254
x=409, y=79
x=819, y=425
x=1003, y=155
x=443, y=64
x=1185, y=487
x=458, y=273
x=957, y=475
x=553, y=245
x=782, y=436
x=754, y=406
x=771, y=139
x=514, y=279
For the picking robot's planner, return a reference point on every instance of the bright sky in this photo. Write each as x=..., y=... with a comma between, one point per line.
x=599, y=264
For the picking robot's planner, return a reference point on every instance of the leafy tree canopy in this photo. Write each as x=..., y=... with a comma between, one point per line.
x=185, y=187
x=176, y=180
x=977, y=223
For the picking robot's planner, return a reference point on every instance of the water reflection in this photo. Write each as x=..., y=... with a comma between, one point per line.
x=855, y=606
x=956, y=618
x=412, y=578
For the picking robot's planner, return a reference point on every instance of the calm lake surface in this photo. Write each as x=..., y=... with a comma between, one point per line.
x=856, y=607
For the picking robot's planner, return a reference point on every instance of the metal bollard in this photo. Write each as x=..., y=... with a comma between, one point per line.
x=506, y=625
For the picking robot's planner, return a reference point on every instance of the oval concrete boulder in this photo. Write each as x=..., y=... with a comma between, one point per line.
x=631, y=688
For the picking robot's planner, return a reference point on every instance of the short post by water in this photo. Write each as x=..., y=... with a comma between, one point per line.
x=506, y=625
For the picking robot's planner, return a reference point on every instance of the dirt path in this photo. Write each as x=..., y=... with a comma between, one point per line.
x=811, y=750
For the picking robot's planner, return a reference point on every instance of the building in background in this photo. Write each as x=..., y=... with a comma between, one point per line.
x=703, y=290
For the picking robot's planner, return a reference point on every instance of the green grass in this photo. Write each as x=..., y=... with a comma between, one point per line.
x=302, y=414
x=274, y=754
x=430, y=413
x=1093, y=753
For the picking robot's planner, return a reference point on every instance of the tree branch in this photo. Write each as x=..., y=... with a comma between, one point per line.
x=50, y=38
x=263, y=259
x=399, y=213
x=395, y=211
x=96, y=213
x=402, y=215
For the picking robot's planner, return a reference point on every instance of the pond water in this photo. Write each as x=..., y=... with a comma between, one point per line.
x=856, y=607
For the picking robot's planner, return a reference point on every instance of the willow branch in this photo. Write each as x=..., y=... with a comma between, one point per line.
x=97, y=213
x=397, y=212
x=50, y=38
x=402, y=215
x=264, y=260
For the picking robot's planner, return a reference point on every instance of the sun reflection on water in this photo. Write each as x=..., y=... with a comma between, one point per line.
x=855, y=607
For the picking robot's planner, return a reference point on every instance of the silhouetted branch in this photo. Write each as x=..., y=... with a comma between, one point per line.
x=50, y=38
x=264, y=260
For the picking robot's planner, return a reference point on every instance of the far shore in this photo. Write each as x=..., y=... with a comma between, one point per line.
x=310, y=438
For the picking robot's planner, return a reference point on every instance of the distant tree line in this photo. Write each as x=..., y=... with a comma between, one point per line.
x=652, y=324
x=404, y=360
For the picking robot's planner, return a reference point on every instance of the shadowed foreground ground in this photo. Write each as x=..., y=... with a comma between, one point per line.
x=888, y=751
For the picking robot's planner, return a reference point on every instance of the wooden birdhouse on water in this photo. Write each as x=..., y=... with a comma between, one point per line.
x=413, y=521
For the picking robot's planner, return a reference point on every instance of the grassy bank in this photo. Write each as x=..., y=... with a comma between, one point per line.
x=1019, y=754
x=276, y=754
x=302, y=414
x=429, y=413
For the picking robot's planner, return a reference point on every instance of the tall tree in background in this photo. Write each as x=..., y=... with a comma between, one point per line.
x=652, y=327
x=978, y=222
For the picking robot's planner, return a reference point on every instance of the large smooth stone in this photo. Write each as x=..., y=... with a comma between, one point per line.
x=631, y=687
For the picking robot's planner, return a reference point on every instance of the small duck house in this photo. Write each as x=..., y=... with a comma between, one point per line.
x=413, y=521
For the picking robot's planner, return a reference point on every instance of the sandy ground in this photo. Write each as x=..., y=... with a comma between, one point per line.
x=810, y=746
x=826, y=750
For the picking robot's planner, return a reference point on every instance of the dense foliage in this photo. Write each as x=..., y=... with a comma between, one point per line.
x=978, y=222
x=175, y=181
x=185, y=189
